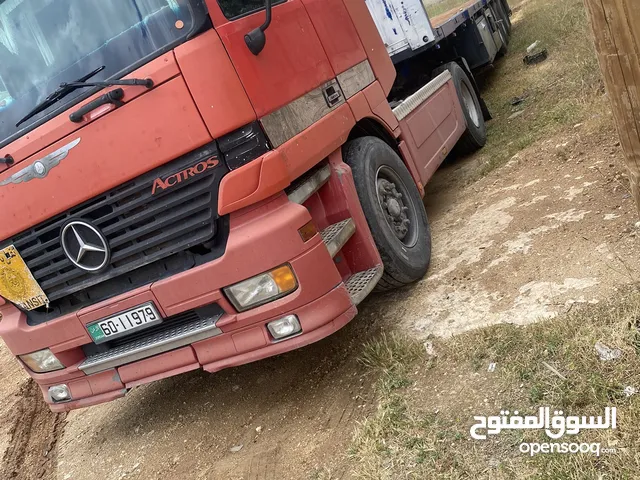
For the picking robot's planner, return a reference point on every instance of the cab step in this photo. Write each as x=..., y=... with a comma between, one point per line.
x=361, y=284
x=308, y=184
x=336, y=235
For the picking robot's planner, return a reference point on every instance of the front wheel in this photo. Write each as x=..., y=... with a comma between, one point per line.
x=394, y=210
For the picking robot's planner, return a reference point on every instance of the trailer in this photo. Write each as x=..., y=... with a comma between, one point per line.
x=478, y=30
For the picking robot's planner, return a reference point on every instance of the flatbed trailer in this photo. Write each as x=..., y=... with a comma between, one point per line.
x=478, y=30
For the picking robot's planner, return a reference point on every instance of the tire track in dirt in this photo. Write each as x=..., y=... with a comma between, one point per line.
x=34, y=433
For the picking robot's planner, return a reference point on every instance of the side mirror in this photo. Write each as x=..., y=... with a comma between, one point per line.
x=256, y=39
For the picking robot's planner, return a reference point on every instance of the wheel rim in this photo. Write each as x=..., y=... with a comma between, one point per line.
x=503, y=37
x=470, y=104
x=397, y=206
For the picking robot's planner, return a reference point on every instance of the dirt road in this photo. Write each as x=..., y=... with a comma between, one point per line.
x=291, y=416
x=550, y=230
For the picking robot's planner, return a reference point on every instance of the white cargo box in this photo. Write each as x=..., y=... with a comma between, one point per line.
x=403, y=24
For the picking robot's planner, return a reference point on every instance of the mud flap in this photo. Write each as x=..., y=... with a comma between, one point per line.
x=485, y=110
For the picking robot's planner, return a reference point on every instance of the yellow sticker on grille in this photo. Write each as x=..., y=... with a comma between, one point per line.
x=17, y=283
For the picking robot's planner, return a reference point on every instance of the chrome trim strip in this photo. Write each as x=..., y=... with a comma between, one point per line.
x=153, y=345
x=412, y=102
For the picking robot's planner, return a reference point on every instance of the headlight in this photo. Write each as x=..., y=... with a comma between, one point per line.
x=262, y=288
x=42, y=361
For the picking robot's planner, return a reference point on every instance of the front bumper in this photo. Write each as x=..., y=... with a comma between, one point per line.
x=261, y=237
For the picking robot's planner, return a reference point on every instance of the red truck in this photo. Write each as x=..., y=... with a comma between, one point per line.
x=205, y=183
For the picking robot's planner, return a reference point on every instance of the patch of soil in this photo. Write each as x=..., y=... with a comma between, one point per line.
x=34, y=434
x=453, y=389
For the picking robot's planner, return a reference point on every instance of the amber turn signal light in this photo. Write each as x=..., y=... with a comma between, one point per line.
x=284, y=278
x=307, y=231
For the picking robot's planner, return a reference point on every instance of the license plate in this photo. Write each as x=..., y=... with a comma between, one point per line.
x=17, y=283
x=124, y=323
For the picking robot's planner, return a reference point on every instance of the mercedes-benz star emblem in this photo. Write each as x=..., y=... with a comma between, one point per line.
x=85, y=246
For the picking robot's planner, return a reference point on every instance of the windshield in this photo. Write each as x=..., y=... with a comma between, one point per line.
x=46, y=42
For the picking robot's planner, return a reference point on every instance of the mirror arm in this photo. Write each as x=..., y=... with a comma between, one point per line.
x=267, y=20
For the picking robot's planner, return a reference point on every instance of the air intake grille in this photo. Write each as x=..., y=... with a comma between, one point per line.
x=140, y=227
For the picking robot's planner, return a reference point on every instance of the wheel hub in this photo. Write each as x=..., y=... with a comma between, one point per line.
x=394, y=207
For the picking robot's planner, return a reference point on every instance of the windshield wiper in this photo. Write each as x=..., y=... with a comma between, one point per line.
x=65, y=89
x=56, y=96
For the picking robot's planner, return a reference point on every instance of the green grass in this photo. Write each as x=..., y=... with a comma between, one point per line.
x=407, y=438
x=564, y=90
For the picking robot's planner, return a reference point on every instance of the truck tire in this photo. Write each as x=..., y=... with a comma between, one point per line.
x=475, y=137
x=504, y=16
x=504, y=26
x=507, y=15
x=394, y=210
x=504, y=49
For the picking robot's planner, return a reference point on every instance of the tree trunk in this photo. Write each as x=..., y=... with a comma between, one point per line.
x=616, y=27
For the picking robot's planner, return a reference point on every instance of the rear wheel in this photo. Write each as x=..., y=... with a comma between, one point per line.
x=506, y=15
x=504, y=28
x=503, y=14
x=504, y=49
x=394, y=210
x=475, y=137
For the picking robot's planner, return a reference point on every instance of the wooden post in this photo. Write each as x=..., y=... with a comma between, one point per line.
x=616, y=27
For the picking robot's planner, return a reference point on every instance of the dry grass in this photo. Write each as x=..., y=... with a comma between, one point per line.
x=421, y=427
x=442, y=6
x=559, y=93
x=426, y=405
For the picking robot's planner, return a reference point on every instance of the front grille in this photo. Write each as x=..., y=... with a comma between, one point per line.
x=141, y=228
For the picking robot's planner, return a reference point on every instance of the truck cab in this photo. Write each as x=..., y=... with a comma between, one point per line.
x=178, y=197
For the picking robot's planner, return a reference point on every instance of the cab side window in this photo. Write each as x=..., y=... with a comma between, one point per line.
x=237, y=8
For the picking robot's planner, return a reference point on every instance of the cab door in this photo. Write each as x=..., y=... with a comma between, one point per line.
x=293, y=61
